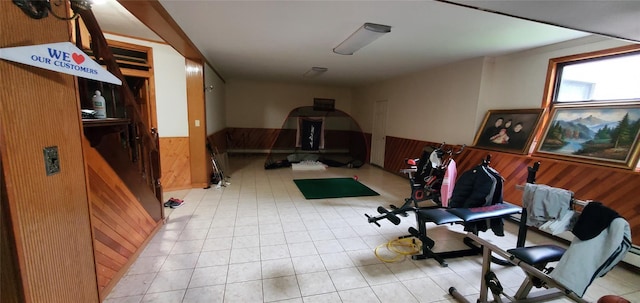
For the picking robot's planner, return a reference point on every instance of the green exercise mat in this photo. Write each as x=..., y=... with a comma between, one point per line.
x=333, y=188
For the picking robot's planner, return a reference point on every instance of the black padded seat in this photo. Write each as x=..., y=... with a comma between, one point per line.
x=438, y=216
x=485, y=212
x=538, y=254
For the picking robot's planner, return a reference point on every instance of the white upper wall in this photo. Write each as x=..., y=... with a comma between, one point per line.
x=255, y=104
x=437, y=105
x=448, y=103
x=215, y=101
x=171, y=87
x=518, y=80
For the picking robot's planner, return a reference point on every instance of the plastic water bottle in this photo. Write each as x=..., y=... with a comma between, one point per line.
x=99, y=105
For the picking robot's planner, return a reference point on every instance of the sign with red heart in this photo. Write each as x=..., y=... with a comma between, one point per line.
x=77, y=58
x=63, y=57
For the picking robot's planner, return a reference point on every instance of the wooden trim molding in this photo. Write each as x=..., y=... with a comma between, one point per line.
x=197, y=123
x=154, y=16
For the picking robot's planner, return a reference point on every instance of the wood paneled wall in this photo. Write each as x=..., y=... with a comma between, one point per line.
x=616, y=188
x=121, y=226
x=219, y=140
x=252, y=138
x=49, y=214
x=10, y=283
x=175, y=164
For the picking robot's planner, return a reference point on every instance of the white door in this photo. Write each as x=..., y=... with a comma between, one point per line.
x=378, y=136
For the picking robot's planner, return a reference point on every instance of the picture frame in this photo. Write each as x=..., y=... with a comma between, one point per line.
x=598, y=134
x=508, y=130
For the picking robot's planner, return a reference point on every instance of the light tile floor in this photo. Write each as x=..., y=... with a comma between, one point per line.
x=260, y=240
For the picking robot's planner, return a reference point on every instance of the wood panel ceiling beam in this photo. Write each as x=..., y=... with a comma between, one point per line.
x=152, y=14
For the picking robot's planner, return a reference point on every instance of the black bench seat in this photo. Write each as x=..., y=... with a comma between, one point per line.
x=539, y=254
x=459, y=216
x=485, y=212
x=439, y=216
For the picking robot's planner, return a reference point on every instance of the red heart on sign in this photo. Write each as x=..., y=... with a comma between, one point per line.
x=77, y=58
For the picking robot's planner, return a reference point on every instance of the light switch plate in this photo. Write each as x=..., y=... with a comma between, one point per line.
x=51, y=160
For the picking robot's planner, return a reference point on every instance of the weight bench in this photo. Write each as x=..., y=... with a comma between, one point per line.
x=441, y=216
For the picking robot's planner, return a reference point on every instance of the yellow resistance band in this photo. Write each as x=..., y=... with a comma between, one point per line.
x=400, y=247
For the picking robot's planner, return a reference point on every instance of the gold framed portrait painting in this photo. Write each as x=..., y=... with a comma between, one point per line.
x=508, y=130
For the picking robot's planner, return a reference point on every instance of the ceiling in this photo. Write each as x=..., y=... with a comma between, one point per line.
x=281, y=40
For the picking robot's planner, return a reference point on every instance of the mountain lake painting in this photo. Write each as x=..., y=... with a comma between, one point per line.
x=597, y=133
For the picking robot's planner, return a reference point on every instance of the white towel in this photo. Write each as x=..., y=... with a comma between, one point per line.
x=544, y=203
x=586, y=260
x=561, y=225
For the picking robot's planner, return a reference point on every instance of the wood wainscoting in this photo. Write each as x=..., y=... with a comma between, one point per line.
x=264, y=139
x=121, y=226
x=174, y=161
x=219, y=140
x=251, y=138
x=614, y=187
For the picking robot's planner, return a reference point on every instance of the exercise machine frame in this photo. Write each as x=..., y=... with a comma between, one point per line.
x=489, y=282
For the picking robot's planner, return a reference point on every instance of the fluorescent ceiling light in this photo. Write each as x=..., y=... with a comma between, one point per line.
x=314, y=72
x=360, y=38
